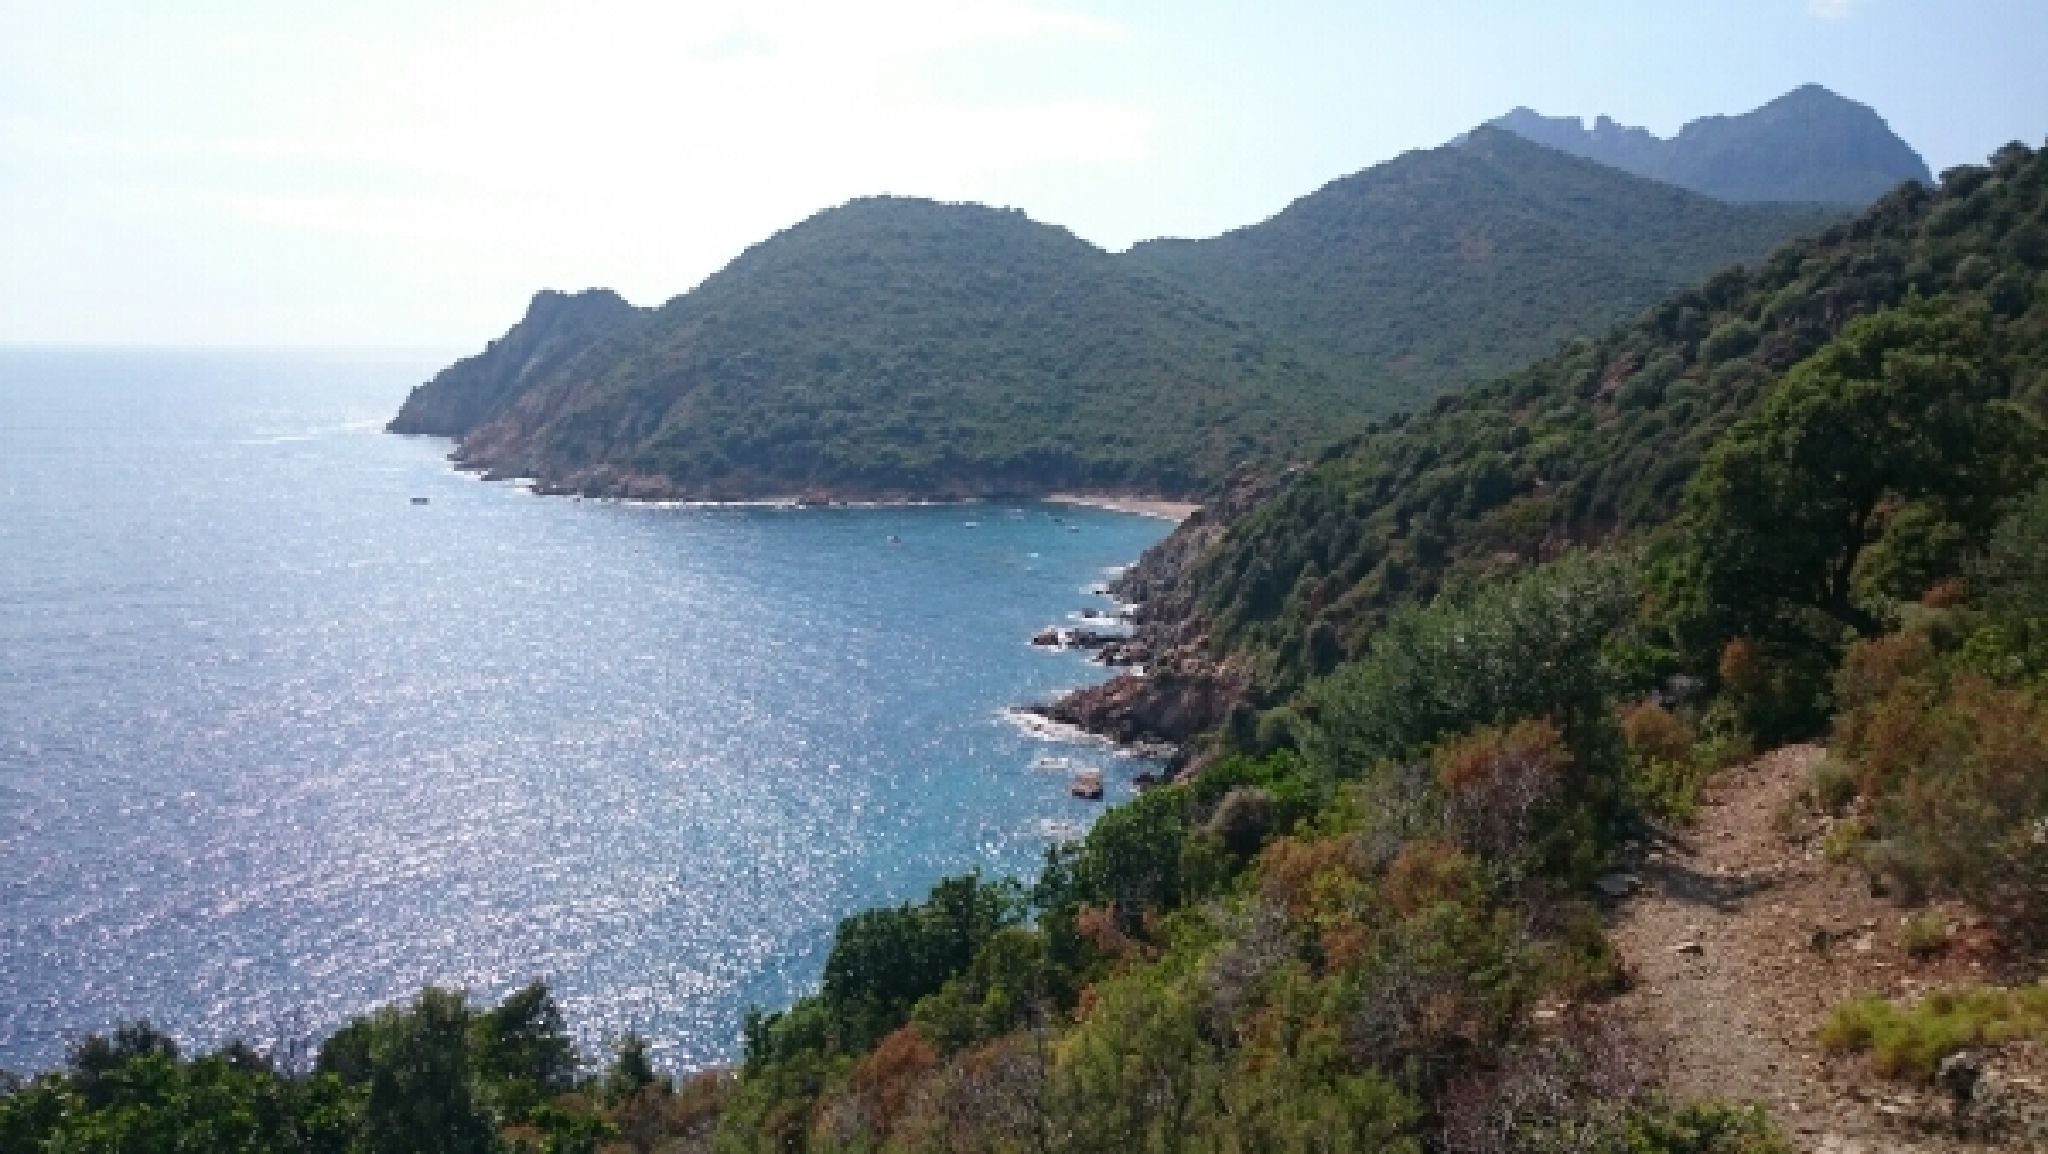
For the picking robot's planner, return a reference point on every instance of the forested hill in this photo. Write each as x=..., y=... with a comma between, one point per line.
x=895, y=347
x=1461, y=262
x=887, y=347
x=1599, y=440
x=1807, y=145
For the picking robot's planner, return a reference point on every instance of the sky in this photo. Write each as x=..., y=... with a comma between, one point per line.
x=407, y=174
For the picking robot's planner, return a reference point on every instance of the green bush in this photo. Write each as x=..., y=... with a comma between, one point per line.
x=1910, y=1041
x=1535, y=646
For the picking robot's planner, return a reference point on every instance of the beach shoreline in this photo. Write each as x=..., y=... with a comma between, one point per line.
x=1175, y=511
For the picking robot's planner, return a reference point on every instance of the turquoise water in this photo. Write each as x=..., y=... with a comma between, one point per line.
x=278, y=745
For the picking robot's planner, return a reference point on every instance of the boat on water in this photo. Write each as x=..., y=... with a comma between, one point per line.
x=1087, y=785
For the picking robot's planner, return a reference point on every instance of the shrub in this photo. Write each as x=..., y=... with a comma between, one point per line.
x=1496, y=784
x=1591, y=1090
x=1665, y=770
x=1957, y=778
x=1911, y=1041
x=1532, y=647
x=1924, y=935
x=1652, y=731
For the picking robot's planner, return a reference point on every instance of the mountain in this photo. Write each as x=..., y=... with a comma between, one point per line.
x=885, y=348
x=1461, y=262
x=1807, y=145
x=1592, y=444
x=894, y=347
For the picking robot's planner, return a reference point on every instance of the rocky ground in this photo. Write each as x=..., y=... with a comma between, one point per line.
x=1741, y=936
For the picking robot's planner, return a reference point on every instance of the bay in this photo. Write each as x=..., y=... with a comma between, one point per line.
x=279, y=744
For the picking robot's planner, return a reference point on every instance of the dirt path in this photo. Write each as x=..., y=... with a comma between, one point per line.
x=1741, y=938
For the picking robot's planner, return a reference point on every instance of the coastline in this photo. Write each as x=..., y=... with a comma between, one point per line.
x=656, y=491
x=1175, y=511
x=1129, y=711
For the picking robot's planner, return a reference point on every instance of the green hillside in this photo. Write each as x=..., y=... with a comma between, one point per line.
x=902, y=348
x=1598, y=441
x=1459, y=263
x=548, y=344
x=1527, y=629
x=888, y=347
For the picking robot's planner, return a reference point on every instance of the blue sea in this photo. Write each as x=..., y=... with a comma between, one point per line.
x=279, y=745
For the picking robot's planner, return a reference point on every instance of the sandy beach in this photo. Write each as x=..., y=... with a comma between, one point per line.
x=1146, y=506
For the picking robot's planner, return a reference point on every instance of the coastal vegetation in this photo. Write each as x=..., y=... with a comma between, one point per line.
x=1490, y=645
x=893, y=347
x=1454, y=264
x=1601, y=443
x=887, y=347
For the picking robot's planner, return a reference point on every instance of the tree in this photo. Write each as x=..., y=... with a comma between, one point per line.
x=2011, y=582
x=1903, y=406
x=1533, y=647
x=630, y=1070
x=421, y=1098
x=884, y=960
x=522, y=1050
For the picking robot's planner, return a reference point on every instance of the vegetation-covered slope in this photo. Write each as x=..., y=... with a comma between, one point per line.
x=888, y=347
x=1599, y=440
x=1807, y=145
x=548, y=343
x=1381, y=924
x=895, y=347
x=1457, y=263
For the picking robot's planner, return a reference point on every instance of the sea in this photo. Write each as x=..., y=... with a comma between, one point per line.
x=295, y=719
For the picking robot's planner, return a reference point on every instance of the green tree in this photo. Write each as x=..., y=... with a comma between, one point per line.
x=1532, y=647
x=884, y=960
x=522, y=1051
x=630, y=1071
x=422, y=1097
x=1902, y=406
x=2011, y=582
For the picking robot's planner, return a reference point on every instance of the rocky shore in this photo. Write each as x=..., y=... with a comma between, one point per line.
x=1181, y=692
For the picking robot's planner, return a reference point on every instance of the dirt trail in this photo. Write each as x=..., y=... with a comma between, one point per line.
x=1741, y=938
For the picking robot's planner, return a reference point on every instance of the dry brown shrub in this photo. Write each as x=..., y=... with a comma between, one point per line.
x=673, y=1121
x=1946, y=593
x=1426, y=873
x=1097, y=926
x=1957, y=776
x=1569, y=1092
x=1871, y=669
x=988, y=1099
x=880, y=1087
x=1653, y=731
x=1296, y=873
x=1741, y=666
x=1495, y=781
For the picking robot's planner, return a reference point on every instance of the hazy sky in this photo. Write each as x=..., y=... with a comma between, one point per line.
x=277, y=172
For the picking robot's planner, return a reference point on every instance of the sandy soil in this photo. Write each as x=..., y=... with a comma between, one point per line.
x=1146, y=506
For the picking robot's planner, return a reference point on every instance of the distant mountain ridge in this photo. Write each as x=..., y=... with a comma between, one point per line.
x=1809, y=145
